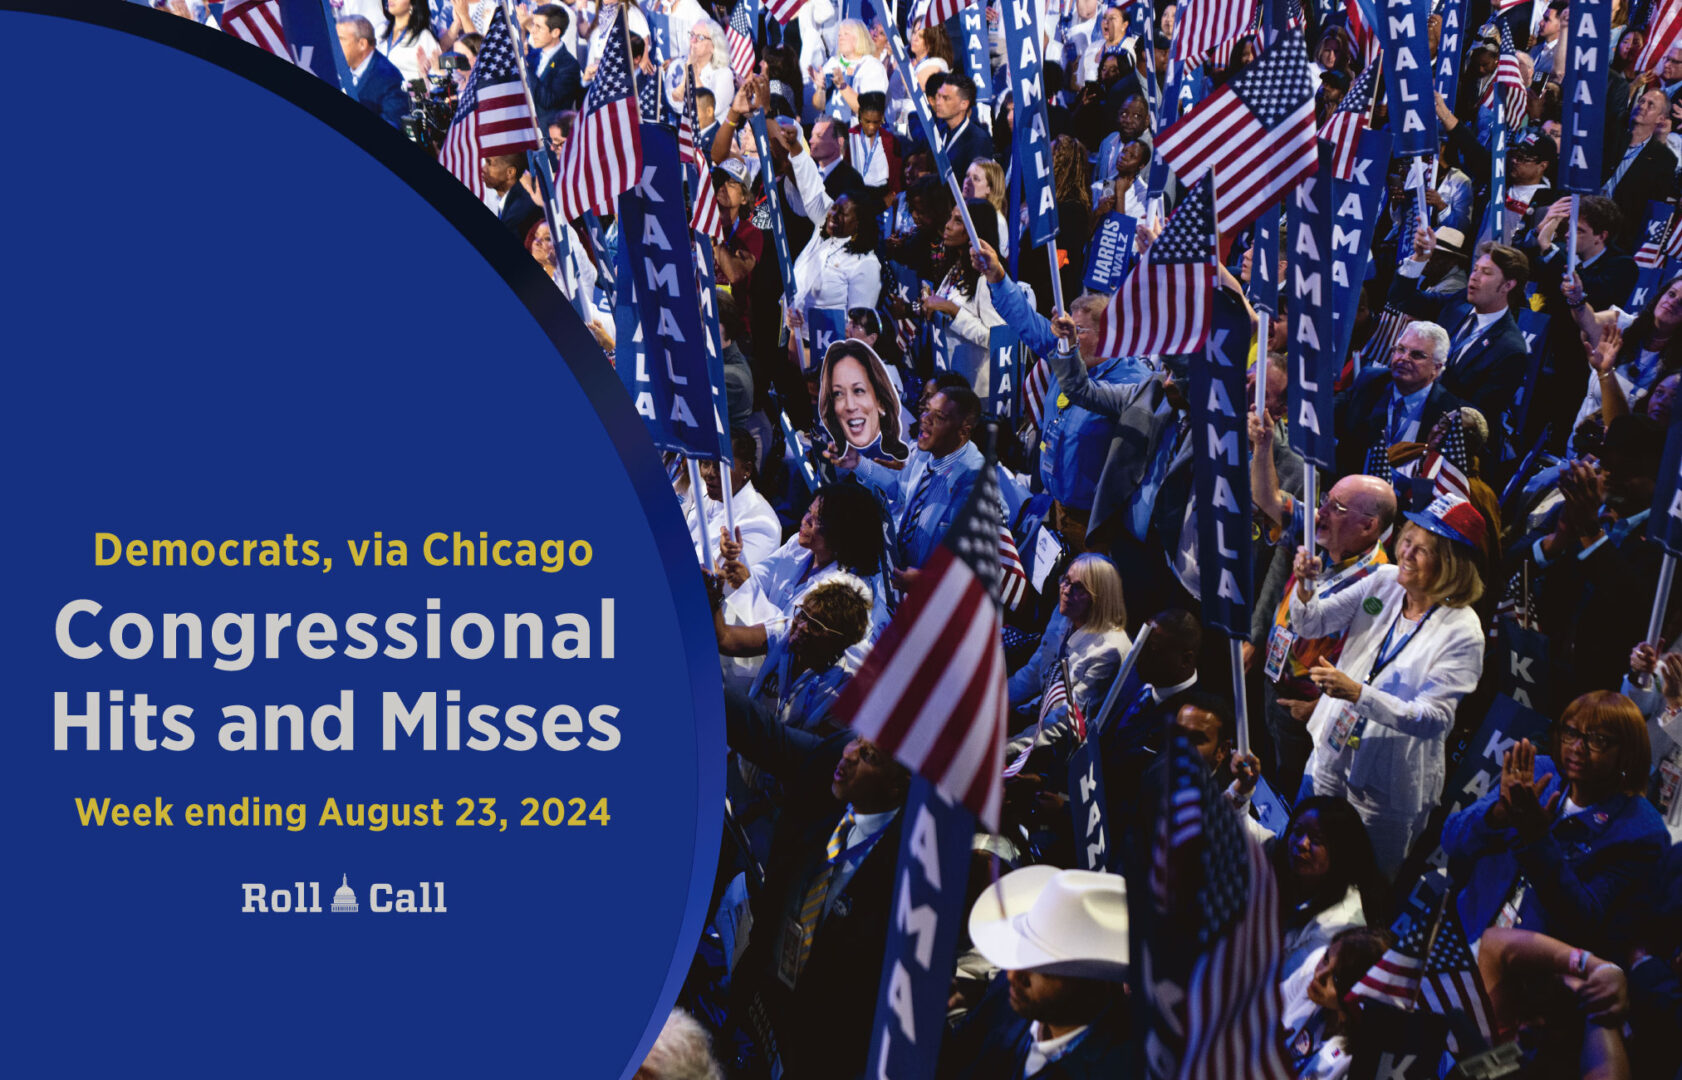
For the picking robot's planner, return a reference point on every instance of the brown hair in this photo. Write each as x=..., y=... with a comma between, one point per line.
x=1618, y=716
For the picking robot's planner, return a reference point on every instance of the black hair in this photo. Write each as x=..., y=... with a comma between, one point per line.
x=967, y=401
x=965, y=88
x=1635, y=338
x=868, y=232
x=874, y=101
x=743, y=448
x=1216, y=706
x=703, y=92
x=420, y=21
x=867, y=319
x=1179, y=628
x=554, y=16
x=1351, y=856
x=1053, y=78
x=850, y=522
x=986, y=222
x=948, y=380
x=1601, y=213
x=730, y=317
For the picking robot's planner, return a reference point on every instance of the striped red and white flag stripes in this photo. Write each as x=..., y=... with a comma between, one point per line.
x=932, y=692
x=784, y=11
x=257, y=22
x=739, y=33
x=1664, y=27
x=936, y=12
x=1166, y=303
x=492, y=114
x=603, y=159
x=1034, y=391
x=1343, y=128
x=1256, y=133
x=1210, y=24
x=704, y=215
x=1013, y=576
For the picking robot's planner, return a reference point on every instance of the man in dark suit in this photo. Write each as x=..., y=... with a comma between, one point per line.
x=839, y=178
x=961, y=136
x=1394, y=405
x=1058, y=1009
x=374, y=80
x=1606, y=278
x=1487, y=356
x=506, y=196
x=808, y=979
x=1644, y=167
x=557, y=83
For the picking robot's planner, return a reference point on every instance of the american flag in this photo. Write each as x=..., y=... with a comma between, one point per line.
x=1378, y=462
x=784, y=11
x=1391, y=322
x=1167, y=301
x=932, y=692
x=704, y=215
x=1447, y=465
x=935, y=12
x=604, y=156
x=1446, y=979
x=1509, y=79
x=1208, y=24
x=1363, y=31
x=1660, y=241
x=1256, y=132
x=740, y=35
x=1034, y=391
x=492, y=116
x=1213, y=957
x=257, y=22
x=1056, y=697
x=1343, y=129
x=1664, y=27
x=1013, y=576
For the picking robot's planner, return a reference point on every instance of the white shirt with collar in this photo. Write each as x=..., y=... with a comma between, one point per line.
x=761, y=532
x=1042, y=1052
x=864, y=827
x=547, y=56
x=360, y=70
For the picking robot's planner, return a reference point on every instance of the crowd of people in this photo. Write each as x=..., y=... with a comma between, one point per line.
x=1374, y=652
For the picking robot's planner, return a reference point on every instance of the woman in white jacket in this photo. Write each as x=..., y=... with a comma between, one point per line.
x=963, y=296
x=838, y=268
x=1414, y=648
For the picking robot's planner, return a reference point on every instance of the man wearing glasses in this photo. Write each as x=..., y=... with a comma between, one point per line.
x=1350, y=526
x=1396, y=405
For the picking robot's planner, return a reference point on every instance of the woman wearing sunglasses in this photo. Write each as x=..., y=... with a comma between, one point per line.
x=1562, y=845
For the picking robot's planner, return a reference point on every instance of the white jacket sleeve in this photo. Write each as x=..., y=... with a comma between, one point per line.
x=814, y=200
x=1436, y=684
x=864, y=285
x=1323, y=616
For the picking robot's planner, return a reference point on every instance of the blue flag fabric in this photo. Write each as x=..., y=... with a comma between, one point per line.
x=1313, y=364
x=1584, y=97
x=1263, y=289
x=1221, y=469
x=670, y=388
x=1665, y=523
x=313, y=40
x=1087, y=803
x=774, y=206
x=1407, y=74
x=1003, y=345
x=707, y=291
x=1031, y=136
x=929, y=905
x=1494, y=225
x=1110, y=255
x=976, y=65
x=824, y=327
x=1357, y=208
x=1449, y=49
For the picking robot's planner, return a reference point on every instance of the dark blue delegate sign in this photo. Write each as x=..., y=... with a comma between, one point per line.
x=256, y=313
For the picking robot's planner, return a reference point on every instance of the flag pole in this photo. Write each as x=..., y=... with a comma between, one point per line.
x=699, y=490
x=1096, y=724
x=1264, y=323
x=531, y=108
x=725, y=483
x=920, y=103
x=1661, y=601
x=1571, y=238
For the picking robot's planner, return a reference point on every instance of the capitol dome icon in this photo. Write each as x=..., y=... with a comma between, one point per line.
x=345, y=898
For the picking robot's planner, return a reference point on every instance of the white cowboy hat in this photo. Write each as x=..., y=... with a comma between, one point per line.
x=1060, y=922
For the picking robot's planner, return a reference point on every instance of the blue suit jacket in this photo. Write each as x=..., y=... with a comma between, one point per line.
x=1583, y=872
x=561, y=86
x=1488, y=376
x=381, y=91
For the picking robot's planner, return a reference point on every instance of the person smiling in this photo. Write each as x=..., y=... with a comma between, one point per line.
x=1413, y=649
x=858, y=404
x=1563, y=842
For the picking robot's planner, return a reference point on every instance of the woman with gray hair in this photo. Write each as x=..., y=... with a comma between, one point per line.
x=709, y=58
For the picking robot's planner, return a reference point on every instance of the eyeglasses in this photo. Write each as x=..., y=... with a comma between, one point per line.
x=1417, y=355
x=801, y=615
x=1073, y=587
x=1597, y=741
x=1340, y=508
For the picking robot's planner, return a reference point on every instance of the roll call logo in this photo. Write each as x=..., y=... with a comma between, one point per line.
x=304, y=898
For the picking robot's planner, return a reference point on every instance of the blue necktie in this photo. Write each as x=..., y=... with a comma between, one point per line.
x=1144, y=500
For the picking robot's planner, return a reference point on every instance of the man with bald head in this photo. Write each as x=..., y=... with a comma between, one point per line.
x=1350, y=526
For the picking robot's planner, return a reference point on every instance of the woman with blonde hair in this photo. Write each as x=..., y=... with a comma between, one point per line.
x=1413, y=648
x=1563, y=843
x=1089, y=632
x=852, y=71
x=985, y=179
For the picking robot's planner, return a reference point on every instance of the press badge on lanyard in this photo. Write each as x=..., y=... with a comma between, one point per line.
x=1346, y=729
x=1279, y=644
